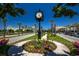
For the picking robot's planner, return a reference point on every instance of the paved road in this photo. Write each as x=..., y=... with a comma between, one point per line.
x=9, y=36
x=14, y=35
x=17, y=38
x=70, y=38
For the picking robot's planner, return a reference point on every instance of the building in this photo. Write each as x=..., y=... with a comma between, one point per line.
x=60, y=27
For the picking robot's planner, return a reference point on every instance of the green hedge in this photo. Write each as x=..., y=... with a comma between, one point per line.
x=4, y=50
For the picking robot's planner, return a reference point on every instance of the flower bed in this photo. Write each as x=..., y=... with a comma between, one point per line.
x=76, y=44
x=36, y=47
x=3, y=41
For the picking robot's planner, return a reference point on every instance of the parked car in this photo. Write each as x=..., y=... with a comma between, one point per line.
x=76, y=35
x=69, y=33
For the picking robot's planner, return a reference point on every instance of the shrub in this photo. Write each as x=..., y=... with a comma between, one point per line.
x=73, y=52
x=4, y=49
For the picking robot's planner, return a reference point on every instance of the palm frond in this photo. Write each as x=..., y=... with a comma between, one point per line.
x=71, y=4
x=20, y=11
x=62, y=10
x=9, y=8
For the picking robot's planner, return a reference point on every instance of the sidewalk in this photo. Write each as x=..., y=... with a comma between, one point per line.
x=67, y=37
x=9, y=36
x=14, y=35
x=61, y=48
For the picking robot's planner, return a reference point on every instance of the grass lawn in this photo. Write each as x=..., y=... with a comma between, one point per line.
x=63, y=41
x=29, y=38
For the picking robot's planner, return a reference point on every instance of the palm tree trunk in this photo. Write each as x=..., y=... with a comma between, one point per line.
x=74, y=29
x=19, y=31
x=51, y=29
x=54, y=29
x=4, y=34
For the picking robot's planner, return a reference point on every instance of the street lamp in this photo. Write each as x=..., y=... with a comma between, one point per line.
x=54, y=29
x=39, y=17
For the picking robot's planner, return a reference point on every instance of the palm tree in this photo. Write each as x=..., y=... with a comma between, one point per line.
x=23, y=29
x=4, y=24
x=10, y=9
x=19, y=28
x=64, y=10
x=52, y=23
x=54, y=29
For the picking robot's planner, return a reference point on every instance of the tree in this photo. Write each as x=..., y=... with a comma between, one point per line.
x=53, y=27
x=64, y=10
x=23, y=29
x=52, y=23
x=11, y=31
x=10, y=9
x=4, y=25
x=19, y=28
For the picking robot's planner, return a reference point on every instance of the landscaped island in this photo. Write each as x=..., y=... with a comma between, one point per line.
x=39, y=47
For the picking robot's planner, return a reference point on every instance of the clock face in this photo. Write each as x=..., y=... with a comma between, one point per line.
x=39, y=15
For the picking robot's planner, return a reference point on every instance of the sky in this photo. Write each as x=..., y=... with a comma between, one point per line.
x=29, y=18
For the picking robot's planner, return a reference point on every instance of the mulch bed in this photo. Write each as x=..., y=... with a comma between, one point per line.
x=35, y=47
